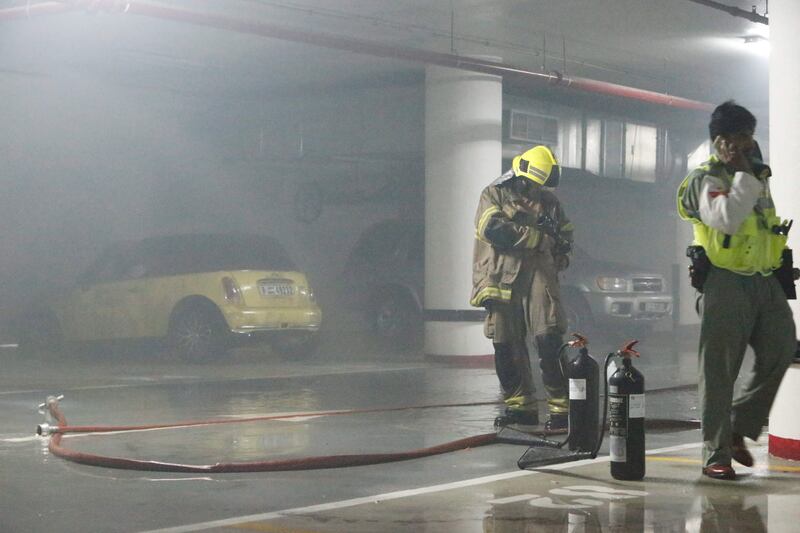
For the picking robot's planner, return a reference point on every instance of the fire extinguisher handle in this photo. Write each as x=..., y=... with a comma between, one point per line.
x=628, y=350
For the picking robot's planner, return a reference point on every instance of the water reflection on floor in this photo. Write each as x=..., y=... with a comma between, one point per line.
x=478, y=489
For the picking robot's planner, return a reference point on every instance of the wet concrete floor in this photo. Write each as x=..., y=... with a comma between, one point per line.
x=478, y=489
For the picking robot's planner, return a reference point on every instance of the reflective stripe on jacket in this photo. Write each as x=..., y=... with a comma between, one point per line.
x=732, y=218
x=505, y=236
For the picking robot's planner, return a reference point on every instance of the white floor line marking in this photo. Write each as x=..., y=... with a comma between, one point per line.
x=398, y=494
x=15, y=440
x=513, y=499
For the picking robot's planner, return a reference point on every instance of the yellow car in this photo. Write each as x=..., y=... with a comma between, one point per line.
x=196, y=291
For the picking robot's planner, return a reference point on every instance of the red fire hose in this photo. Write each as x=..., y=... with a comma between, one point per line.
x=304, y=463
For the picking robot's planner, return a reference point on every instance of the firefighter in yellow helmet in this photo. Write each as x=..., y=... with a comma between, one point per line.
x=522, y=240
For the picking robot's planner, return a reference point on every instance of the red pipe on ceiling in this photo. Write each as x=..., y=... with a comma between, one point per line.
x=209, y=20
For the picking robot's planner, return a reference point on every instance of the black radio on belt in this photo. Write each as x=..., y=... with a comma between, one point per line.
x=786, y=274
x=699, y=267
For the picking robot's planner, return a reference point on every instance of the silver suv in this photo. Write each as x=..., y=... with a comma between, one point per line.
x=606, y=294
x=385, y=275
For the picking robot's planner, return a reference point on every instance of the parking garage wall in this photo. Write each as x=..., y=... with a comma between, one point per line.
x=114, y=162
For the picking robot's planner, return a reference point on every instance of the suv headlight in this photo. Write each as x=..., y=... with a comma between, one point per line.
x=612, y=284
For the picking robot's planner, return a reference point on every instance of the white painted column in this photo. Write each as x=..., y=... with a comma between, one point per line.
x=463, y=120
x=784, y=143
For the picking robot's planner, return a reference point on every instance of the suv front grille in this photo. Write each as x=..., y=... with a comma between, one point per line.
x=647, y=284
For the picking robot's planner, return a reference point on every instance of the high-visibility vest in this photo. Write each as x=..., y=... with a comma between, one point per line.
x=754, y=248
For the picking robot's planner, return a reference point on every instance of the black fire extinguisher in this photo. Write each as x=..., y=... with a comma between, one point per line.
x=626, y=418
x=584, y=397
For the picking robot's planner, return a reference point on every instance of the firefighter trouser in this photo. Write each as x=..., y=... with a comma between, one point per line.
x=738, y=311
x=534, y=307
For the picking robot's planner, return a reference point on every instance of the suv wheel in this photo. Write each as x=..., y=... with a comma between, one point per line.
x=197, y=333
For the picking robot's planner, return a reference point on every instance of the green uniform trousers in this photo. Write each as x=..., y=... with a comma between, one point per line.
x=738, y=311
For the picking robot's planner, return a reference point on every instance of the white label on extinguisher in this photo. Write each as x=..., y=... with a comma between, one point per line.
x=577, y=389
x=636, y=406
x=617, y=449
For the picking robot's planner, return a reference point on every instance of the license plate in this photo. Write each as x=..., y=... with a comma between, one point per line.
x=276, y=289
x=655, y=307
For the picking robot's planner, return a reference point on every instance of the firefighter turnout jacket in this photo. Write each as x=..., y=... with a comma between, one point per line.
x=508, y=235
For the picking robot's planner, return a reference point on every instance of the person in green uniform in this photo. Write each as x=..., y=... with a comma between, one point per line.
x=727, y=200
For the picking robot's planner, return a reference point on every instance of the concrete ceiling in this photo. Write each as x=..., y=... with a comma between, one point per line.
x=672, y=46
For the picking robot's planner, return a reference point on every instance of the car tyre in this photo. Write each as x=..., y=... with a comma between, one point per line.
x=197, y=333
x=395, y=320
x=302, y=345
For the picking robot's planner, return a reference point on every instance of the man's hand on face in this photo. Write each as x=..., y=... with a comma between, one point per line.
x=734, y=150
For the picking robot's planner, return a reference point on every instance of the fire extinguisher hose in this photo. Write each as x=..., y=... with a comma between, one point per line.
x=560, y=444
x=605, y=406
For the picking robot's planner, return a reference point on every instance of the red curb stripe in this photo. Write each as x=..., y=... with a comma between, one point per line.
x=784, y=448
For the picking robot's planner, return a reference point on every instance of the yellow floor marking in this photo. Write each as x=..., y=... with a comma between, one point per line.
x=669, y=459
x=687, y=460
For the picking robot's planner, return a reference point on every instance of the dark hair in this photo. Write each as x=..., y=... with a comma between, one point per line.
x=728, y=118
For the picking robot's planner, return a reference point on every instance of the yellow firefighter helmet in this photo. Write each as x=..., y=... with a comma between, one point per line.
x=539, y=165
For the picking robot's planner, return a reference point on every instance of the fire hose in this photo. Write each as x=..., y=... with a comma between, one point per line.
x=57, y=431
x=56, y=427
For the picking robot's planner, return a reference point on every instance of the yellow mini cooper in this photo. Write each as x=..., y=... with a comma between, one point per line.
x=198, y=292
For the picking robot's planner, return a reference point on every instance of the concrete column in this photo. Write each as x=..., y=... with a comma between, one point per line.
x=463, y=119
x=784, y=142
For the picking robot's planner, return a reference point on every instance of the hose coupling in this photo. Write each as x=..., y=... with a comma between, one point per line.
x=50, y=423
x=45, y=429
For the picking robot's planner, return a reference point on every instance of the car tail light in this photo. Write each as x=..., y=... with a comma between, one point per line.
x=231, y=291
x=308, y=293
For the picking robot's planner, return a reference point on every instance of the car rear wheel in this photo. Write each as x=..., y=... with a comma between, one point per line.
x=197, y=333
x=395, y=319
x=300, y=345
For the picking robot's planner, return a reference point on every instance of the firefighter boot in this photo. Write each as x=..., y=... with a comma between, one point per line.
x=520, y=410
x=555, y=382
x=556, y=422
x=517, y=417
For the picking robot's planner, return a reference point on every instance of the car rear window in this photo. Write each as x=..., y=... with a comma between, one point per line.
x=210, y=253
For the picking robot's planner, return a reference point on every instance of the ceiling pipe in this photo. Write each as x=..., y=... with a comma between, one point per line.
x=335, y=42
x=752, y=16
x=32, y=10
